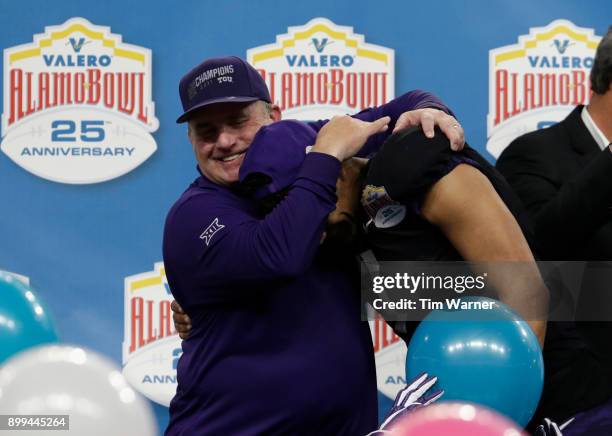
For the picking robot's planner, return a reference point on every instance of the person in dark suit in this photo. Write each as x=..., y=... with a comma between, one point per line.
x=563, y=175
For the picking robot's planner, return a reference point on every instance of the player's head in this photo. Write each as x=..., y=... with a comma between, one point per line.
x=273, y=164
x=601, y=73
x=226, y=102
x=275, y=158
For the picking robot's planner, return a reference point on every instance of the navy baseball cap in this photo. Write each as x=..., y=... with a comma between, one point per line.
x=275, y=156
x=220, y=80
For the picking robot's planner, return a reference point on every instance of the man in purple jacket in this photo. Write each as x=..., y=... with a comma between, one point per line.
x=277, y=344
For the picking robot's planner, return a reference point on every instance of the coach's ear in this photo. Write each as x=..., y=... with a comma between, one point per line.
x=275, y=112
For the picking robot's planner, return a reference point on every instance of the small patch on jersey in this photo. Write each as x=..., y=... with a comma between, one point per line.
x=210, y=231
x=390, y=216
x=383, y=211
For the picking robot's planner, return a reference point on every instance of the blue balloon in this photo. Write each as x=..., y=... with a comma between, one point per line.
x=24, y=320
x=485, y=356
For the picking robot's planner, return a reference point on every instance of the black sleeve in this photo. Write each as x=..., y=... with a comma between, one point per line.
x=565, y=213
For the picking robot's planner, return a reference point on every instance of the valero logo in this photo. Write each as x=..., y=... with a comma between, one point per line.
x=321, y=69
x=390, y=354
x=538, y=81
x=151, y=346
x=77, y=104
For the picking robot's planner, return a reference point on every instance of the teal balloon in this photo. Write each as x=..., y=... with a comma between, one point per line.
x=490, y=357
x=24, y=320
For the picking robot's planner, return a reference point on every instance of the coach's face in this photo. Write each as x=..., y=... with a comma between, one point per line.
x=222, y=133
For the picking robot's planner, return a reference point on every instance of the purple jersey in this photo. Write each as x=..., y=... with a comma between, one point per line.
x=277, y=345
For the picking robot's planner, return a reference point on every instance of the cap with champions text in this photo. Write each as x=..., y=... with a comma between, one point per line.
x=220, y=80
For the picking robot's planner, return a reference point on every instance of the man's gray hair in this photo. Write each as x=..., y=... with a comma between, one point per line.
x=268, y=107
x=601, y=74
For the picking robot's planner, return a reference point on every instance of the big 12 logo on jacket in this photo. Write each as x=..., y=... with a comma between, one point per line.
x=77, y=104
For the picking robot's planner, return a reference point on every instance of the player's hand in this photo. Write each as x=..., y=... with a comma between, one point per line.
x=409, y=399
x=182, y=322
x=550, y=428
x=348, y=190
x=343, y=136
x=429, y=118
x=341, y=222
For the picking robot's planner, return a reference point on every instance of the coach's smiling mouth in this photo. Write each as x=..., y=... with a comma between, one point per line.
x=232, y=157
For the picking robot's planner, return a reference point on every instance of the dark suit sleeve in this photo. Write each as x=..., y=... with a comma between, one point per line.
x=565, y=213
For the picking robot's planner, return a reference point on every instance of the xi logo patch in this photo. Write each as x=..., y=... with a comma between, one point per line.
x=210, y=231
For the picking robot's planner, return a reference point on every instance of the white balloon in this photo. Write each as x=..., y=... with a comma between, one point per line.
x=74, y=381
